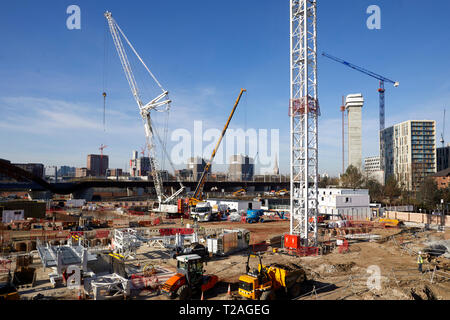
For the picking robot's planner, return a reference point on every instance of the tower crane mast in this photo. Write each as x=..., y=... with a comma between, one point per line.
x=382, y=80
x=160, y=104
x=304, y=112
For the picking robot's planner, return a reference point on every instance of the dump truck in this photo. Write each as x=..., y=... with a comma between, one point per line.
x=188, y=279
x=265, y=282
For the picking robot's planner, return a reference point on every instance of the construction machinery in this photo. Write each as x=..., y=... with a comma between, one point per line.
x=194, y=248
x=239, y=192
x=254, y=216
x=382, y=80
x=198, y=193
x=8, y=291
x=159, y=104
x=189, y=278
x=265, y=282
x=304, y=112
x=282, y=192
x=389, y=222
x=202, y=212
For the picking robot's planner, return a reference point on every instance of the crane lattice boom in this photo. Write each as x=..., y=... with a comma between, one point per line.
x=161, y=103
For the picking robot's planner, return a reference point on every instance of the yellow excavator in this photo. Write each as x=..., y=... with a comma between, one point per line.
x=389, y=222
x=240, y=192
x=265, y=282
x=198, y=193
x=282, y=192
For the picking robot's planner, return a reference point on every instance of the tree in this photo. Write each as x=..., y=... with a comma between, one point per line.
x=428, y=194
x=352, y=178
x=327, y=181
x=392, y=189
x=324, y=182
x=375, y=189
x=446, y=194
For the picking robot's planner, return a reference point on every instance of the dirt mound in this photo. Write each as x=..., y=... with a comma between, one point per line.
x=343, y=267
x=287, y=266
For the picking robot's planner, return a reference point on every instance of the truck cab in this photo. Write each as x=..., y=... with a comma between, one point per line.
x=202, y=212
x=251, y=286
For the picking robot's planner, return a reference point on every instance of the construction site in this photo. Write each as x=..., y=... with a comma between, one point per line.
x=183, y=244
x=140, y=257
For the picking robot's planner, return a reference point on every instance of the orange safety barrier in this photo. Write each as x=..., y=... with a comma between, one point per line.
x=102, y=233
x=173, y=231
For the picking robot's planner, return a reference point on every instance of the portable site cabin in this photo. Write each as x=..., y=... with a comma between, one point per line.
x=228, y=242
x=236, y=204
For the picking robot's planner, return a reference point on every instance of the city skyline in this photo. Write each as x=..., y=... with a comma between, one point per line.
x=205, y=72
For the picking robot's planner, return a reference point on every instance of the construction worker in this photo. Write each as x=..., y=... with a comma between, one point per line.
x=420, y=262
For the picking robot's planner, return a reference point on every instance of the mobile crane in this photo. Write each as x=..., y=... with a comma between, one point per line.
x=160, y=104
x=198, y=193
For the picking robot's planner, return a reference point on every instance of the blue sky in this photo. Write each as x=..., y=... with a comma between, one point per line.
x=203, y=52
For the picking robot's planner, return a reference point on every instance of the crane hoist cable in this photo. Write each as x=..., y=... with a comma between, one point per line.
x=105, y=70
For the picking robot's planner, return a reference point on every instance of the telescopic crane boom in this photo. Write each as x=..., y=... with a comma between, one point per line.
x=201, y=183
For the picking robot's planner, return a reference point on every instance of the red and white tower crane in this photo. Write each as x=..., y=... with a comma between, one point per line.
x=304, y=112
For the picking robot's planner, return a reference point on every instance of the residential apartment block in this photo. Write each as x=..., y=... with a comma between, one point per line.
x=372, y=169
x=408, y=152
x=442, y=155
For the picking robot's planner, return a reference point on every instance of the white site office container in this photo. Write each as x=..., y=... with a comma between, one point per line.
x=212, y=245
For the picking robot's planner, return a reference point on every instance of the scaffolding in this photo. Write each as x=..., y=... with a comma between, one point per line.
x=59, y=258
x=126, y=242
x=107, y=287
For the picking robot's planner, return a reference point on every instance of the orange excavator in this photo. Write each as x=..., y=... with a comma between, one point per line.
x=189, y=278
